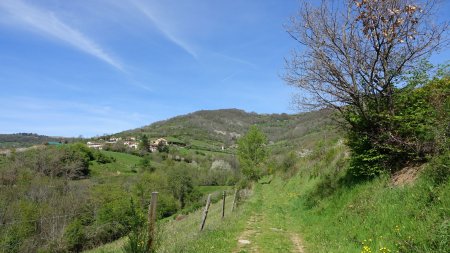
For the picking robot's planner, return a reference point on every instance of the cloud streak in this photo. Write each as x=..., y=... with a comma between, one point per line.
x=163, y=28
x=46, y=22
x=70, y=118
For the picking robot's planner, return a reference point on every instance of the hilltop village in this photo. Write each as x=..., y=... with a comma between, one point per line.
x=129, y=142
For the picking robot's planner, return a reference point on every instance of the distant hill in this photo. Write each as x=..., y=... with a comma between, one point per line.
x=215, y=128
x=19, y=140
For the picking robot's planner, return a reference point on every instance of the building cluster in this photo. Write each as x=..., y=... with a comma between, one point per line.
x=130, y=142
x=154, y=145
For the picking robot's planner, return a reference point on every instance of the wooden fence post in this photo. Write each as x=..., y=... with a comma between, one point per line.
x=205, y=212
x=223, y=204
x=234, y=200
x=152, y=220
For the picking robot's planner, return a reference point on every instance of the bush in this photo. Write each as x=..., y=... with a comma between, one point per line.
x=137, y=238
x=438, y=171
x=414, y=131
x=103, y=159
x=181, y=183
x=74, y=236
x=146, y=165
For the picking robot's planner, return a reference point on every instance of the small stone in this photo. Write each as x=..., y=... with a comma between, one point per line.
x=244, y=241
x=276, y=229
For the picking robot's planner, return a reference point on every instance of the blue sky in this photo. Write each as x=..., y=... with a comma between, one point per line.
x=90, y=67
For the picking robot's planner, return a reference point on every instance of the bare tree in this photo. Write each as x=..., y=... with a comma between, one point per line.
x=355, y=53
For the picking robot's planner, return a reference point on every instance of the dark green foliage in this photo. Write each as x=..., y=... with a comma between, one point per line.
x=324, y=188
x=417, y=128
x=167, y=205
x=181, y=183
x=75, y=236
x=438, y=171
x=289, y=161
x=102, y=158
x=163, y=148
x=252, y=153
x=146, y=164
x=137, y=238
x=144, y=144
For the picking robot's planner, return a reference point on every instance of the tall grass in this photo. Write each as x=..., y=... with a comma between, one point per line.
x=335, y=215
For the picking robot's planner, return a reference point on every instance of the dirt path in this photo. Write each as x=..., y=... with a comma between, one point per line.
x=246, y=241
x=297, y=242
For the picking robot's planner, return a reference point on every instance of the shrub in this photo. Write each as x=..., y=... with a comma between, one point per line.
x=438, y=171
x=137, y=238
x=103, y=159
x=412, y=132
x=75, y=236
x=181, y=183
x=146, y=165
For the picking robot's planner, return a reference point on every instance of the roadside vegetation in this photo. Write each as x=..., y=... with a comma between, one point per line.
x=70, y=197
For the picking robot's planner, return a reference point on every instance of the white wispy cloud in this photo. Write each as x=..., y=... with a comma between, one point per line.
x=162, y=26
x=228, y=77
x=46, y=22
x=235, y=59
x=68, y=117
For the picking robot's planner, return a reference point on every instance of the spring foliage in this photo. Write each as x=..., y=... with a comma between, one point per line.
x=252, y=153
x=416, y=130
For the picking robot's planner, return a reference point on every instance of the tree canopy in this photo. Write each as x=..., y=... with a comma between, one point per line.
x=252, y=152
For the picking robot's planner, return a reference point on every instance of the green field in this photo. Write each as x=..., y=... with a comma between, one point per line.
x=124, y=164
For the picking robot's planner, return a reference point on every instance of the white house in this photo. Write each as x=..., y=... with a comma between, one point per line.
x=94, y=145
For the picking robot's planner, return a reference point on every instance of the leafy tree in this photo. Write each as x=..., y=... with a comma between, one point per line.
x=355, y=61
x=162, y=147
x=181, y=184
x=144, y=145
x=252, y=152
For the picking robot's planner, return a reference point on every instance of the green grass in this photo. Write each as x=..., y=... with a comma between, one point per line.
x=113, y=247
x=124, y=164
x=335, y=217
x=374, y=214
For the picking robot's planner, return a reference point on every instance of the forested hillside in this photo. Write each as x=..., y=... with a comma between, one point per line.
x=216, y=128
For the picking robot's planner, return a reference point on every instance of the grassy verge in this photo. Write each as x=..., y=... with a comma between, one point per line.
x=372, y=216
x=184, y=235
